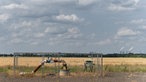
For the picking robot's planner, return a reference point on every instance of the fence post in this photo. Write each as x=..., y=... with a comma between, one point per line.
x=97, y=70
x=43, y=65
x=58, y=66
x=101, y=65
x=15, y=63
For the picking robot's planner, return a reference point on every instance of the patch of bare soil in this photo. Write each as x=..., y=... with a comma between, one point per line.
x=109, y=77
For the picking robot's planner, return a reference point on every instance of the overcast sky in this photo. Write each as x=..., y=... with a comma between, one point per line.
x=104, y=26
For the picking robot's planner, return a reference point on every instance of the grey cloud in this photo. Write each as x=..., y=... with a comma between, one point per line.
x=38, y=32
x=14, y=6
x=4, y=17
x=44, y=23
x=143, y=27
x=126, y=32
x=39, y=8
x=122, y=5
x=104, y=42
x=68, y=18
x=86, y=2
x=138, y=21
x=15, y=41
x=55, y=30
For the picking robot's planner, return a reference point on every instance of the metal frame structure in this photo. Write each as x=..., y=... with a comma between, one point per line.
x=98, y=61
x=16, y=61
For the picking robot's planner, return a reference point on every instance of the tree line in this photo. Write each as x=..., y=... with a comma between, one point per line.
x=74, y=55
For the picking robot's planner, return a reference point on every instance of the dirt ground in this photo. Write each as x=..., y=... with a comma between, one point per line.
x=109, y=77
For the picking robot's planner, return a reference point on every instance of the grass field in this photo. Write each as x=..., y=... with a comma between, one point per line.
x=34, y=61
x=115, y=69
x=128, y=61
x=76, y=64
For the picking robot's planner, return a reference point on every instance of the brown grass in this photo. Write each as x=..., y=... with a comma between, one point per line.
x=34, y=61
x=128, y=61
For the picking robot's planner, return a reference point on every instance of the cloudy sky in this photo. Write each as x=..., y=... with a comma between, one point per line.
x=104, y=26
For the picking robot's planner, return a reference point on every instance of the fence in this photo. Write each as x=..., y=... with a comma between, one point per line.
x=75, y=64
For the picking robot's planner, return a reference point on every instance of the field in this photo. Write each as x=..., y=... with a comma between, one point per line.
x=121, y=69
x=110, y=64
x=34, y=61
x=128, y=61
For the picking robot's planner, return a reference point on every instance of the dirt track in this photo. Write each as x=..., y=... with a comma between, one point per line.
x=110, y=77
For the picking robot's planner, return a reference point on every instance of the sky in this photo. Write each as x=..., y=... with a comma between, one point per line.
x=80, y=26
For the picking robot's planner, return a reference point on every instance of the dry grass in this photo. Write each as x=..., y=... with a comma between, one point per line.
x=128, y=61
x=5, y=61
x=34, y=61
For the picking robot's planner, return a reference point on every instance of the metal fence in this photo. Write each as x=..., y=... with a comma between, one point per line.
x=28, y=64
